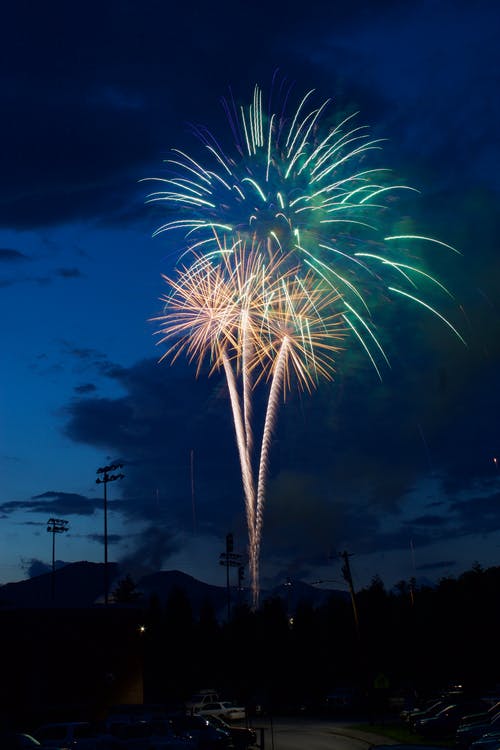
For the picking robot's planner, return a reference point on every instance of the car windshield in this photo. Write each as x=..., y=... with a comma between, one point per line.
x=445, y=710
x=216, y=721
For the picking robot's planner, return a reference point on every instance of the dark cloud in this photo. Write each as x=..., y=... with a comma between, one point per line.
x=11, y=256
x=87, y=358
x=111, y=538
x=85, y=388
x=53, y=503
x=343, y=459
x=479, y=515
x=39, y=280
x=430, y=520
x=151, y=549
x=69, y=273
x=109, y=98
x=85, y=353
x=438, y=565
x=165, y=415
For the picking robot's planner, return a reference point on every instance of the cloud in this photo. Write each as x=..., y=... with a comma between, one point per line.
x=110, y=118
x=69, y=273
x=34, y=567
x=438, y=565
x=344, y=460
x=112, y=538
x=386, y=68
x=12, y=256
x=165, y=415
x=53, y=503
x=479, y=515
x=151, y=549
x=85, y=388
x=430, y=520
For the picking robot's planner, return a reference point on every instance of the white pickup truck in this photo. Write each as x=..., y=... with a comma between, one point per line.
x=200, y=699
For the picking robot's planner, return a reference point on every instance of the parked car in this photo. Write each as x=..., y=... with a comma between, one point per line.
x=445, y=722
x=431, y=708
x=20, y=741
x=483, y=716
x=66, y=734
x=199, y=700
x=489, y=741
x=224, y=709
x=151, y=735
x=467, y=733
x=134, y=713
x=242, y=737
x=201, y=731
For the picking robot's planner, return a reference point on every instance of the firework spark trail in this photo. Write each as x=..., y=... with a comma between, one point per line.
x=246, y=357
x=270, y=420
x=246, y=469
x=289, y=239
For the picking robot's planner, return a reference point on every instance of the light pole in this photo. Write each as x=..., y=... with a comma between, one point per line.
x=104, y=478
x=55, y=526
x=229, y=559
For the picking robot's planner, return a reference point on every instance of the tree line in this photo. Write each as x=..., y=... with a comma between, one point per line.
x=419, y=637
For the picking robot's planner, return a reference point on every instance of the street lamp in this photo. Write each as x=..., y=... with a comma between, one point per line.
x=104, y=478
x=55, y=526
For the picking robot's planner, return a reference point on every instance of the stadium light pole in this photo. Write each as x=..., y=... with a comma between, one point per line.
x=55, y=526
x=230, y=559
x=104, y=477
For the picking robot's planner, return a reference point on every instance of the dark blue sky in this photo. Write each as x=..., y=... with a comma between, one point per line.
x=400, y=473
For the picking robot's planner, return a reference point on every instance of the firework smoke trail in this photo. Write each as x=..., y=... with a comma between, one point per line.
x=312, y=201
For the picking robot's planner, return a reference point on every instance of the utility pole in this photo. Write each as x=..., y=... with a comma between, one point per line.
x=241, y=576
x=55, y=526
x=230, y=559
x=104, y=478
x=346, y=573
x=288, y=586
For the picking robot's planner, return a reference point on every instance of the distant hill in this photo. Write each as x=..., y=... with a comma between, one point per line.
x=162, y=583
x=81, y=584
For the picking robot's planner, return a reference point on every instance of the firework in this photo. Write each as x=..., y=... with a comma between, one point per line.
x=286, y=250
x=251, y=315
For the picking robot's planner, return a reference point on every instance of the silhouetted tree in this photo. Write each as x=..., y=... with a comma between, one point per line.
x=126, y=591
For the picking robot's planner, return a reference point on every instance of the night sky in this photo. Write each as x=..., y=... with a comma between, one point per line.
x=399, y=473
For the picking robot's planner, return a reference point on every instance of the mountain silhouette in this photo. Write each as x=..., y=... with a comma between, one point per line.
x=81, y=585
